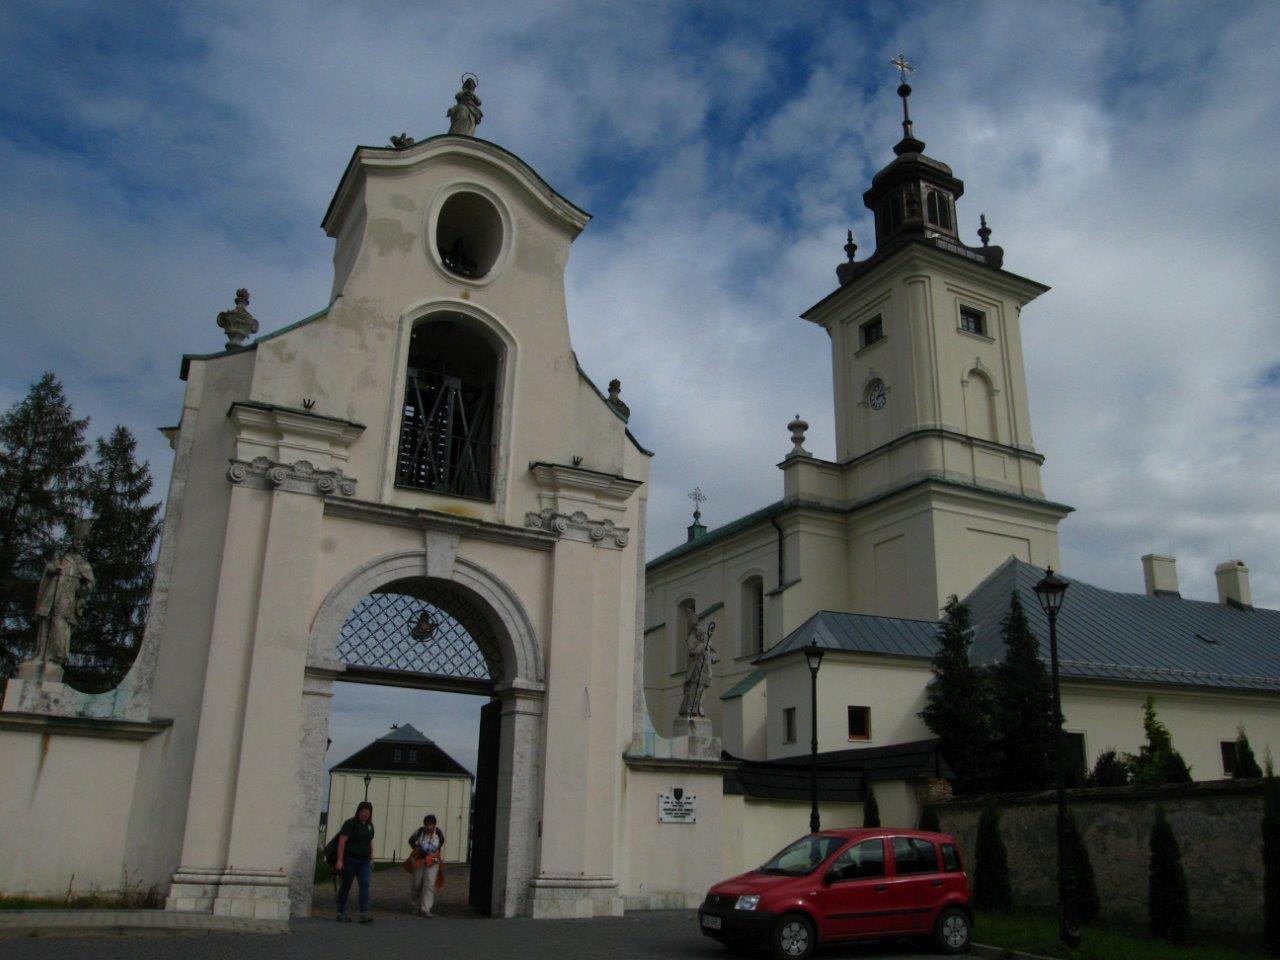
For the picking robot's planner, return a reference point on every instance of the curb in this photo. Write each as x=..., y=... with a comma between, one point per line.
x=123, y=923
x=1003, y=953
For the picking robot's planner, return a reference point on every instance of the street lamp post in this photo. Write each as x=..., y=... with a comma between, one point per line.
x=813, y=654
x=367, y=779
x=1050, y=591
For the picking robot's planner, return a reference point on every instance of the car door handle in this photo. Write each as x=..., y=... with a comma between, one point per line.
x=880, y=887
x=937, y=883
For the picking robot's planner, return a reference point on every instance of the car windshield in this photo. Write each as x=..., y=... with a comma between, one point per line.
x=803, y=856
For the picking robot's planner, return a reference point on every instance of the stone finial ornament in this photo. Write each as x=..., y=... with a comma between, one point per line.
x=64, y=588
x=797, y=428
x=984, y=232
x=850, y=248
x=615, y=399
x=402, y=141
x=465, y=115
x=238, y=323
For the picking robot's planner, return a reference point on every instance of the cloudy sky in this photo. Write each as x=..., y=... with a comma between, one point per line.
x=154, y=157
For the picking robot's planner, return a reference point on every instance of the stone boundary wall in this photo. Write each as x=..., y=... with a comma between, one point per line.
x=1217, y=824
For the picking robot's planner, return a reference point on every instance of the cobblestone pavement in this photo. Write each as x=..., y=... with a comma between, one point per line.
x=637, y=936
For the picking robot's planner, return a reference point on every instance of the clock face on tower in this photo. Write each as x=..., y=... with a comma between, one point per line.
x=878, y=396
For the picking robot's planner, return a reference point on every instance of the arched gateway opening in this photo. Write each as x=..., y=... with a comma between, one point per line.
x=465, y=633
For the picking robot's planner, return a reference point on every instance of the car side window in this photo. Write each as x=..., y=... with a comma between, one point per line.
x=912, y=855
x=861, y=861
x=950, y=858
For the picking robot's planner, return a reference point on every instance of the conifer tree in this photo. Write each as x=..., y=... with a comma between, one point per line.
x=41, y=448
x=958, y=707
x=1246, y=764
x=870, y=809
x=1271, y=860
x=119, y=549
x=1087, y=903
x=1168, y=907
x=1157, y=761
x=1108, y=771
x=1022, y=709
x=929, y=819
x=991, y=888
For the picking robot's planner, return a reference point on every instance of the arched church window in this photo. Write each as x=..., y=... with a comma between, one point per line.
x=939, y=209
x=469, y=234
x=980, y=406
x=753, y=616
x=890, y=214
x=447, y=425
x=686, y=610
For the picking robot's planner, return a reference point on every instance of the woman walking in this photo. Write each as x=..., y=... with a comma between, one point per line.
x=427, y=843
x=355, y=860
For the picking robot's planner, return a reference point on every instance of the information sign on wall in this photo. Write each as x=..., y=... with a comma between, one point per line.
x=677, y=807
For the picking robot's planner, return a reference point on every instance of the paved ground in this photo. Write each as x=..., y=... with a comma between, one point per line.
x=637, y=936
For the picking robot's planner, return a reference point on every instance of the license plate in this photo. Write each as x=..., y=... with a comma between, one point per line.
x=710, y=922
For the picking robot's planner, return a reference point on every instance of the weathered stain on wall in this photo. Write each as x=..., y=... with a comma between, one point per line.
x=1217, y=823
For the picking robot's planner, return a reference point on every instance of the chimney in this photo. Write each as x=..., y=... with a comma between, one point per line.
x=1161, y=575
x=1233, y=584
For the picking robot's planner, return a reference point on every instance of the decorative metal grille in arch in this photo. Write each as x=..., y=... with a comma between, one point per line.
x=422, y=626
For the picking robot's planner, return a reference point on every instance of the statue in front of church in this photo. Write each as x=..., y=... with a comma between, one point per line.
x=697, y=672
x=64, y=590
x=465, y=115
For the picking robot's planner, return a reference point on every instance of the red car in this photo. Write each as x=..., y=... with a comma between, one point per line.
x=845, y=885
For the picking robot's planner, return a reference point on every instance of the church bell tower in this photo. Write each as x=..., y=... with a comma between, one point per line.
x=933, y=430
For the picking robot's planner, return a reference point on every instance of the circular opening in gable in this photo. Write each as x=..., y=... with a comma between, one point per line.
x=468, y=235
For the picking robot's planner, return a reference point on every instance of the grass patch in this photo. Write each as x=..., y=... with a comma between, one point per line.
x=1038, y=934
x=131, y=898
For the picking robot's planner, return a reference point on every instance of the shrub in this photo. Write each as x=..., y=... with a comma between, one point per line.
x=1156, y=762
x=1271, y=861
x=1246, y=764
x=991, y=889
x=1108, y=771
x=929, y=819
x=1087, y=903
x=1168, y=907
x=870, y=809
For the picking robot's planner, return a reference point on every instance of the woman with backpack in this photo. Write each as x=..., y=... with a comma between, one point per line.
x=355, y=860
x=427, y=844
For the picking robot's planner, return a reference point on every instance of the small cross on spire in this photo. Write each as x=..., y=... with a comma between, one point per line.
x=698, y=498
x=909, y=143
x=903, y=65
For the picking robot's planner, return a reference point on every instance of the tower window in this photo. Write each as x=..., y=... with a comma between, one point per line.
x=468, y=235
x=872, y=331
x=789, y=725
x=446, y=428
x=939, y=209
x=890, y=218
x=973, y=321
x=753, y=616
x=859, y=723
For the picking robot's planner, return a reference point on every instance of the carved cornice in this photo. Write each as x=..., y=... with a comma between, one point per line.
x=578, y=526
x=277, y=420
x=301, y=476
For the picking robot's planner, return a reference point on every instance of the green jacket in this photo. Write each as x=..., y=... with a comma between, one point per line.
x=359, y=838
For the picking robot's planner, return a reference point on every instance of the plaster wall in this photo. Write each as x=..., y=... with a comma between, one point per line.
x=399, y=803
x=745, y=723
x=754, y=830
x=64, y=800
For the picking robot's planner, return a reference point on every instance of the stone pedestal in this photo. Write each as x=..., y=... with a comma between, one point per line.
x=37, y=688
x=692, y=740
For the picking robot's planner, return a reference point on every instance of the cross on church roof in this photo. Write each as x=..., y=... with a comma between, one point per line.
x=698, y=498
x=903, y=65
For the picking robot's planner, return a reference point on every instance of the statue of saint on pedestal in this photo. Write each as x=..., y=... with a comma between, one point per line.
x=465, y=114
x=64, y=589
x=697, y=672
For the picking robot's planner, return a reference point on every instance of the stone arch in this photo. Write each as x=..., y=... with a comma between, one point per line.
x=522, y=653
x=980, y=403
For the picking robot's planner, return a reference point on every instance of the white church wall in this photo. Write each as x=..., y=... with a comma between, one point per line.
x=745, y=724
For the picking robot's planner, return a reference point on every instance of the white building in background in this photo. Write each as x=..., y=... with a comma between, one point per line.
x=408, y=777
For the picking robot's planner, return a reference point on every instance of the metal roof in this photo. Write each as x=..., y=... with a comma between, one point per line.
x=743, y=685
x=842, y=774
x=1108, y=635
x=860, y=633
x=1102, y=634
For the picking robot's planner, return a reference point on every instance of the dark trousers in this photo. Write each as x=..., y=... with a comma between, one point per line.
x=361, y=871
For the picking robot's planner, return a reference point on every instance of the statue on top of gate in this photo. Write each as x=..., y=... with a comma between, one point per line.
x=465, y=115
x=64, y=589
x=697, y=673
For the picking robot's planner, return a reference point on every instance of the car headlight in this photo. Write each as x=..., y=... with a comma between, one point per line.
x=748, y=902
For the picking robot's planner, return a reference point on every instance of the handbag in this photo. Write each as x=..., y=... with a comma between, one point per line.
x=413, y=861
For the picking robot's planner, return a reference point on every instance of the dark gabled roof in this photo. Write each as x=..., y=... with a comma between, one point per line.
x=1107, y=635
x=380, y=755
x=842, y=774
x=860, y=633
x=743, y=685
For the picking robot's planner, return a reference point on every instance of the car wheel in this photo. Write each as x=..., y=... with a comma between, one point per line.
x=951, y=932
x=794, y=937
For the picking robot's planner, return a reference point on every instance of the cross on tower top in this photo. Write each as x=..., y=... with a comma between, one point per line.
x=903, y=65
x=698, y=498
x=908, y=143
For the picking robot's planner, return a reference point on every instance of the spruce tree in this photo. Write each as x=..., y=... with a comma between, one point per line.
x=1246, y=764
x=1108, y=771
x=1271, y=861
x=870, y=809
x=991, y=888
x=41, y=448
x=119, y=549
x=1087, y=903
x=1157, y=761
x=1022, y=714
x=958, y=707
x=929, y=819
x=1168, y=907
